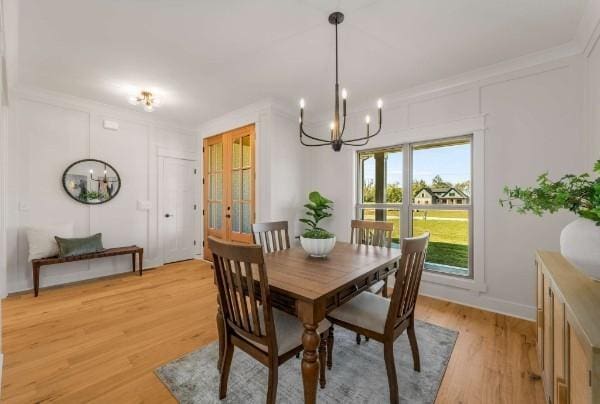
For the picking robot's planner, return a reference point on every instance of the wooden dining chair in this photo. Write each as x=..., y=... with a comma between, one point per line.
x=384, y=320
x=250, y=323
x=375, y=233
x=272, y=236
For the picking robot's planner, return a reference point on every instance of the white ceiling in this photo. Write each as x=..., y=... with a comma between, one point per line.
x=207, y=57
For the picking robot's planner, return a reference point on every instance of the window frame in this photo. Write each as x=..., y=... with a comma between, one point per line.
x=431, y=267
x=475, y=128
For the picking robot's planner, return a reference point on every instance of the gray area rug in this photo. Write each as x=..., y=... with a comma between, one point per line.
x=358, y=374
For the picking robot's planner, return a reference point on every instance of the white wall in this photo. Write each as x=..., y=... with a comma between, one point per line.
x=533, y=124
x=50, y=131
x=280, y=159
x=592, y=65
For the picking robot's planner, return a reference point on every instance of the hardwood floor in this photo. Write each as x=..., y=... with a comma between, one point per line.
x=100, y=341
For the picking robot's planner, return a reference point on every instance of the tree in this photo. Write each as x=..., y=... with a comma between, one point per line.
x=417, y=186
x=464, y=186
x=369, y=192
x=438, y=182
x=393, y=193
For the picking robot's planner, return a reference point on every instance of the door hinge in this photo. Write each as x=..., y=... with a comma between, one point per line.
x=202, y=180
x=202, y=243
x=194, y=242
x=202, y=212
x=550, y=292
x=202, y=149
x=195, y=206
x=195, y=171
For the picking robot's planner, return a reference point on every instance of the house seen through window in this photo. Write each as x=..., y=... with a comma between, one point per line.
x=438, y=177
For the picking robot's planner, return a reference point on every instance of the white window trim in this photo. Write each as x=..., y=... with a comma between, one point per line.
x=476, y=127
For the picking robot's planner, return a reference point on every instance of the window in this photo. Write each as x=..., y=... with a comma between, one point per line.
x=438, y=175
x=381, y=187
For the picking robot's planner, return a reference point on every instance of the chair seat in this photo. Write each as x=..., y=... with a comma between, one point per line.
x=377, y=287
x=367, y=310
x=288, y=330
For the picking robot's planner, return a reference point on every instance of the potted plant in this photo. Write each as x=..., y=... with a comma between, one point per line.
x=317, y=242
x=580, y=239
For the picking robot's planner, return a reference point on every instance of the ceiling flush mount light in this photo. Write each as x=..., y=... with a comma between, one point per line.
x=336, y=130
x=146, y=99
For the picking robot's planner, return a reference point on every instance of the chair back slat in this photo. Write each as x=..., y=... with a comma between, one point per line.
x=272, y=236
x=408, y=279
x=370, y=232
x=244, y=291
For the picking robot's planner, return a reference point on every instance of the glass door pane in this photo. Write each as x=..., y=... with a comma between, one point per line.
x=214, y=190
x=242, y=184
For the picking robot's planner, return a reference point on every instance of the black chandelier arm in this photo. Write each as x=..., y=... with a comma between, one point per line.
x=314, y=145
x=366, y=138
x=302, y=132
x=343, y=124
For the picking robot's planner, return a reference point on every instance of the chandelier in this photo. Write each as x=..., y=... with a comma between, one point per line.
x=336, y=130
x=145, y=98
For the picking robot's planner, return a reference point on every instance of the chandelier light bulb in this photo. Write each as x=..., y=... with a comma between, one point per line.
x=91, y=171
x=367, y=119
x=332, y=125
x=302, y=103
x=379, y=103
x=344, y=93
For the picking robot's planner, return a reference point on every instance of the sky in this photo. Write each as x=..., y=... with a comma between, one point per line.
x=452, y=163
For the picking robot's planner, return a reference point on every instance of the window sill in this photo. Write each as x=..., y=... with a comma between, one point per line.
x=454, y=281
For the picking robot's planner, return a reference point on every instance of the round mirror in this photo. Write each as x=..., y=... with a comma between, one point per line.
x=91, y=181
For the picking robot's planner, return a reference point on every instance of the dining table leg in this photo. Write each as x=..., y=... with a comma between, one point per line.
x=310, y=363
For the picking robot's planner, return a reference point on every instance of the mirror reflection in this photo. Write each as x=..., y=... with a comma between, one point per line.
x=91, y=181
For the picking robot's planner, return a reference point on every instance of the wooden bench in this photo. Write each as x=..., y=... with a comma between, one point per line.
x=109, y=252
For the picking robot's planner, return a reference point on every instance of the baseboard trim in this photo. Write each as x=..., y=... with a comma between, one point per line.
x=483, y=302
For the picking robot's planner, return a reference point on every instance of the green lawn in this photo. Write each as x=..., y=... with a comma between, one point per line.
x=448, y=243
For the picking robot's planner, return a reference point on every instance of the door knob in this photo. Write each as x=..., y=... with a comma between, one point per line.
x=168, y=215
x=228, y=216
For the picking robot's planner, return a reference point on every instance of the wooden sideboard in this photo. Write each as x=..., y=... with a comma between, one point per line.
x=568, y=331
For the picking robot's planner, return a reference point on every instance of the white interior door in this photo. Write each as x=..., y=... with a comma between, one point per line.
x=177, y=209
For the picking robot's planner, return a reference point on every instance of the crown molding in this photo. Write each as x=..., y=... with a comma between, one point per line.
x=94, y=107
x=588, y=30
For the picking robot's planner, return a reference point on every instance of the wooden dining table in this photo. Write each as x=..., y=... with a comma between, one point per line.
x=309, y=288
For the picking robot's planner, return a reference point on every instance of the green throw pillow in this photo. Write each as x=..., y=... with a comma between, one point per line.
x=68, y=247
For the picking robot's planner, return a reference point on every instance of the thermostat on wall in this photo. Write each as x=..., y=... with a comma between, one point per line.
x=110, y=125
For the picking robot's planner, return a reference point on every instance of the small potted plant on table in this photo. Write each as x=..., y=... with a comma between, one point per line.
x=316, y=241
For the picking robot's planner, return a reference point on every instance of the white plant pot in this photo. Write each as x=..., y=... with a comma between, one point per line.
x=317, y=247
x=580, y=244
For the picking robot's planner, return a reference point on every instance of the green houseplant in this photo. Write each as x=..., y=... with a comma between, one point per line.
x=580, y=194
x=315, y=240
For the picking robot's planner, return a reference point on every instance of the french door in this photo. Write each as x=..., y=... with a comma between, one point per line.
x=229, y=178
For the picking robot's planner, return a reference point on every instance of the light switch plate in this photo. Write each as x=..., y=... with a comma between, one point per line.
x=143, y=205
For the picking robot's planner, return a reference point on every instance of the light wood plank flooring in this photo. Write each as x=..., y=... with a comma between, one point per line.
x=100, y=341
